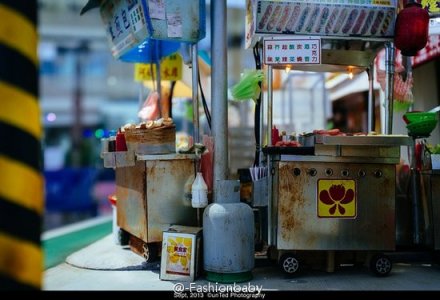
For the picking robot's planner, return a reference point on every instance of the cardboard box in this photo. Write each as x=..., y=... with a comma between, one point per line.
x=181, y=253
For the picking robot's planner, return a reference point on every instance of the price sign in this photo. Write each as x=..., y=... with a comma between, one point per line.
x=292, y=51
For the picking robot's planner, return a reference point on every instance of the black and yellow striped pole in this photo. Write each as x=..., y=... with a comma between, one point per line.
x=21, y=181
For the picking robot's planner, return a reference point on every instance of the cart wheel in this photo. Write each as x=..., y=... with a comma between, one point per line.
x=381, y=265
x=123, y=237
x=259, y=246
x=150, y=252
x=271, y=254
x=289, y=263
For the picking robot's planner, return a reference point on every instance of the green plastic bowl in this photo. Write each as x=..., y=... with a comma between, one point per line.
x=413, y=117
x=421, y=128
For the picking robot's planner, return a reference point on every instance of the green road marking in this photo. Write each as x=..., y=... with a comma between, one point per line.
x=58, y=248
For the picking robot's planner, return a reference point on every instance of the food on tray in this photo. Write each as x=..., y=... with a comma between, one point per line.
x=274, y=18
x=283, y=20
x=368, y=22
x=157, y=124
x=128, y=126
x=331, y=20
x=360, y=20
x=150, y=124
x=377, y=22
x=340, y=20
x=350, y=21
x=327, y=132
x=313, y=18
x=322, y=19
x=287, y=144
x=293, y=18
x=265, y=17
x=167, y=121
x=302, y=19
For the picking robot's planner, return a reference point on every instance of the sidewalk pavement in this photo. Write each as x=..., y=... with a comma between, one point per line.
x=106, y=266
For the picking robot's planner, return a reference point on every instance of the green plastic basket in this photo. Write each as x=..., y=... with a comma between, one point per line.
x=413, y=117
x=421, y=128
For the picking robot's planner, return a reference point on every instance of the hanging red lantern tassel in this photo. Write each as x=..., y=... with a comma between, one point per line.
x=411, y=31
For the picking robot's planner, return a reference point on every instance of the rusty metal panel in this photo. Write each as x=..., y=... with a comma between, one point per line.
x=372, y=225
x=131, y=204
x=165, y=190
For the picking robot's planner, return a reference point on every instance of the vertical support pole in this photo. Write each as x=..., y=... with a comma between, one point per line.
x=269, y=105
x=219, y=92
x=389, y=87
x=158, y=77
x=21, y=181
x=269, y=158
x=261, y=112
x=370, y=108
x=415, y=200
x=195, y=93
x=325, y=101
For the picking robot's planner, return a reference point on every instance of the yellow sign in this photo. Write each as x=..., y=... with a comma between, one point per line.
x=179, y=255
x=336, y=198
x=170, y=69
x=381, y=2
x=433, y=6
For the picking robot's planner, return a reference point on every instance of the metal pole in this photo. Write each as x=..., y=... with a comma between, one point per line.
x=261, y=112
x=415, y=200
x=195, y=94
x=370, y=114
x=269, y=159
x=269, y=105
x=159, y=85
x=219, y=92
x=389, y=87
x=324, y=99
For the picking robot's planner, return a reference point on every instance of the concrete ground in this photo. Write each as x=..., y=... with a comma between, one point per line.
x=105, y=266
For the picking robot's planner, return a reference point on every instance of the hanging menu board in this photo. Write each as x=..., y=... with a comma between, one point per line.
x=343, y=18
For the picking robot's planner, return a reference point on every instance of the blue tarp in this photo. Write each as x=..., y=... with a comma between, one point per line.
x=70, y=190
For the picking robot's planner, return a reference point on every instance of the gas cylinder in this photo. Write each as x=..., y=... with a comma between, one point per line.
x=228, y=233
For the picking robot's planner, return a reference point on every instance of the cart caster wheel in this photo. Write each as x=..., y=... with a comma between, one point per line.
x=289, y=263
x=381, y=265
x=123, y=237
x=271, y=254
x=258, y=247
x=150, y=252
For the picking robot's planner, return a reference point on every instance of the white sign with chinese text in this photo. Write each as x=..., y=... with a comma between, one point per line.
x=292, y=51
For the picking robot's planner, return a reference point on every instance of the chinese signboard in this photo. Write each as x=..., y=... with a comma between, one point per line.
x=125, y=24
x=336, y=198
x=292, y=51
x=170, y=69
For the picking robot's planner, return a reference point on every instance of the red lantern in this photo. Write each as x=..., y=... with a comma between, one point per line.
x=411, y=32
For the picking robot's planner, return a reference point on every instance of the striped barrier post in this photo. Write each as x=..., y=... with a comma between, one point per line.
x=21, y=180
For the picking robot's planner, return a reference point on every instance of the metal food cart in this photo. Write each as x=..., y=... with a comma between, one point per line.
x=154, y=194
x=338, y=197
x=153, y=187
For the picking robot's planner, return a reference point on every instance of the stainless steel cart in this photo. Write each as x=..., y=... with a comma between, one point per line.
x=341, y=196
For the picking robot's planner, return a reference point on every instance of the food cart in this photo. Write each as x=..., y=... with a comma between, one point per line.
x=153, y=182
x=335, y=199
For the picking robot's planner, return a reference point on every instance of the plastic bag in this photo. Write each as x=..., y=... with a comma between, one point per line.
x=403, y=96
x=248, y=88
x=150, y=108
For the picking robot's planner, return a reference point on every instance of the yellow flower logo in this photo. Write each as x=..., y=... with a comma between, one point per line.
x=336, y=198
x=179, y=255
